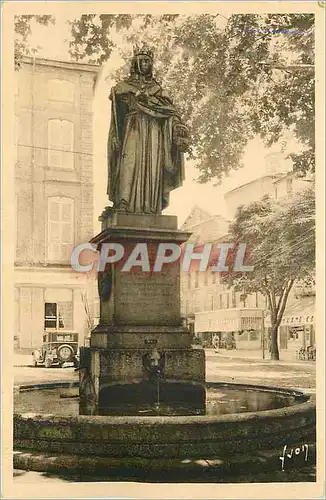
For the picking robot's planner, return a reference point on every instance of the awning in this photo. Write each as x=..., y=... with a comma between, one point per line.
x=228, y=320
x=299, y=313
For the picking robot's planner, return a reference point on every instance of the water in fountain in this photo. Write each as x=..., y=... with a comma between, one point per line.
x=221, y=399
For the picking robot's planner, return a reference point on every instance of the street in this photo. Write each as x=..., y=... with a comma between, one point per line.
x=220, y=367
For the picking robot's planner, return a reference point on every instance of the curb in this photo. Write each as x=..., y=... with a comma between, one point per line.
x=129, y=468
x=46, y=385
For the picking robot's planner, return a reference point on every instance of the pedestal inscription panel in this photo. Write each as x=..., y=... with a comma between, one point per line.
x=148, y=298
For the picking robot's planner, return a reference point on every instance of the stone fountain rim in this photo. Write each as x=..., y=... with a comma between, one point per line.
x=308, y=405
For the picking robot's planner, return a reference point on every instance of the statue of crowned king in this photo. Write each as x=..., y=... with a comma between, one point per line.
x=147, y=141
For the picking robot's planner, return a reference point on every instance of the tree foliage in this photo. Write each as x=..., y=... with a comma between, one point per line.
x=281, y=248
x=92, y=35
x=232, y=78
x=23, y=29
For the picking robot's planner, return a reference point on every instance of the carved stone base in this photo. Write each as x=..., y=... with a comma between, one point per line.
x=140, y=355
x=140, y=296
x=132, y=337
x=110, y=218
x=125, y=381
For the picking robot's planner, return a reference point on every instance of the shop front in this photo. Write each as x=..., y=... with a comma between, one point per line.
x=238, y=328
x=49, y=299
x=297, y=328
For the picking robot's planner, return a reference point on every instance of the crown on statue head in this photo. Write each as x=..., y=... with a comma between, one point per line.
x=143, y=50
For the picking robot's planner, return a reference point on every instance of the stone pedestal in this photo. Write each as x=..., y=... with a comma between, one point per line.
x=140, y=354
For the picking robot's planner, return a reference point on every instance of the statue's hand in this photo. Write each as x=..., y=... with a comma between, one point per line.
x=182, y=144
x=181, y=137
x=181, y=130
x=141, y=95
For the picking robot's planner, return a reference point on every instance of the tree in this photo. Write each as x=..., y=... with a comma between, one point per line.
x=280, y=241
x=23, y=29
x=232, y=78
x=93, y=36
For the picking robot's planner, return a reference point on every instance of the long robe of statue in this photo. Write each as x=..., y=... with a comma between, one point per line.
x=146, y=142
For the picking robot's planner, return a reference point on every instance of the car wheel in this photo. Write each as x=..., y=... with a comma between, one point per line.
x=65, y=353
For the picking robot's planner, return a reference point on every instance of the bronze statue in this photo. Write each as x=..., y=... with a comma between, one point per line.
x=146, y=143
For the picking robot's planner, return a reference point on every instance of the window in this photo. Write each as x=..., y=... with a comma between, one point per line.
x=212, y=302
x=221, y=301
x=206, y=278
x=60, y=144
x=214, y=277
x=61, y=90
x=227, y=300
x=257, y=304
x=51, y=317
x=189, y=280
x=57, y=315
x=60, y=228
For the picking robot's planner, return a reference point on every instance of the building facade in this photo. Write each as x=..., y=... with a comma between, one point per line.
x=207, y=305
x=275, y=182
x=210, y=307
x=54, y=196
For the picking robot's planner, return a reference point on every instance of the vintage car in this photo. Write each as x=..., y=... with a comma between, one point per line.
x=58, y=347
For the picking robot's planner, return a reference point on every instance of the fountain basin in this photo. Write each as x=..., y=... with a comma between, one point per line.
x=50, y=442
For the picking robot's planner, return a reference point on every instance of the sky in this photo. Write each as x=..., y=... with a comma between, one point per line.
x=52, y=43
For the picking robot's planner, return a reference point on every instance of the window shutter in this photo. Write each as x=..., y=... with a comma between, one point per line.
x=54, y=211
x=66, y=214
x=54, y=143
x=60, y=228
x=67, y=142
x=67, y=228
